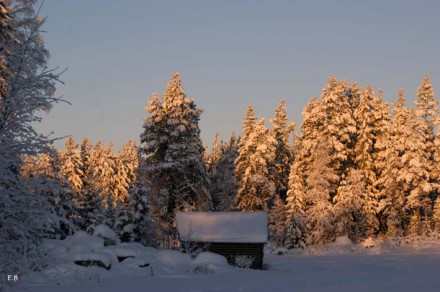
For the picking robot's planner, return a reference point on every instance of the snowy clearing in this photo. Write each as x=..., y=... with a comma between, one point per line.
x=338, y=267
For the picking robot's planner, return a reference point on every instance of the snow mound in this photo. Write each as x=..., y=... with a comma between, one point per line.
x=208, y=262
x=81, y=238
x=369, y=242
x=343, y=241
x=104, y=232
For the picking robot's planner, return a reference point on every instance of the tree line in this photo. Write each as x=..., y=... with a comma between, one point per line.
x=359, y=167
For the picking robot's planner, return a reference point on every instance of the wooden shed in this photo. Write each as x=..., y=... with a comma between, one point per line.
x=237, y=236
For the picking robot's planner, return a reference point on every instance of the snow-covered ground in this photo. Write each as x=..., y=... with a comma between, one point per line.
x=341, y=266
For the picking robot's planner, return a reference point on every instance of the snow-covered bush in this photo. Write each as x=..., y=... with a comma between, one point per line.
x=104, y=232
x=208, y=262
x=243, y=261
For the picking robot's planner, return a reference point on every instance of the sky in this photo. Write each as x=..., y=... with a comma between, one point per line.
x=229, y=54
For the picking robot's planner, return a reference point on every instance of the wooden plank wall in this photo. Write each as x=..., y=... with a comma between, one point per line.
x=231, y=250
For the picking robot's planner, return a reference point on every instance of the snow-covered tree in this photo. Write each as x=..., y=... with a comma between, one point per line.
x=48, y=181
x=223, y=186
x=296, y=207
x=407, y=177
x=26, y=89
x=349, y=206
x=71, y=164
x=427, y=107
x=310, y=133
x=248, y=127
x=173, y=155
x=372, y=123
x=5, y=37
x=427, y=111
x=320, y=214
x=436, y=216
x=338, y=103
x=255, y=187
x=277, y=221
x=281, y=130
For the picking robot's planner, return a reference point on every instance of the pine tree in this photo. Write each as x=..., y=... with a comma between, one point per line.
x=427, y=111
x=436, y=216
x=338, y=103
x=349, y=206
x=71, y=164
x=137, y=224
x=48, y=181
x=255, y=187
x=173, y=156
x=407, y=176
x=320, y=214
x=248, y=127
x=216, y=152
x=127, y=163
x=283, y=150
x=276, y=221
x=296, y=206
x=222, y=175
x=372, y=121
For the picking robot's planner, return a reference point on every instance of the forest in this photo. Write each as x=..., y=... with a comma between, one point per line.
x=356, y=166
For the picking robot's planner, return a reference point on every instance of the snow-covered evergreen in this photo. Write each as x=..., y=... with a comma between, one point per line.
x=280, y=168
x=372, y=123
x=71, y=164
x=406, y=177
x=173, y=156
x=349, y=206
x=223, y=180
x=320, y=214
x=256, y=154
x=296, y=207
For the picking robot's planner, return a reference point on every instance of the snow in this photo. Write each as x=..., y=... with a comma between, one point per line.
x=208, y=263
x=84, y=240
x=386, y=266
x=237, y=227
x=103, y=231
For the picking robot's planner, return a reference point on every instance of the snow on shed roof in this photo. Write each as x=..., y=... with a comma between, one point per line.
x=234, y=227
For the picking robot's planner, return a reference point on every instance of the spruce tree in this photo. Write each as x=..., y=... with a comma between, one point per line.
x=338, y=103
x=283, y=150
x=349, y=206
x=71, y=164
x=372, y=123
x=296, y=206
x=173, y=156
x=222, y=175
x=248, y=127
x=320, y=214
x=255, y=187
x=427, y=111
x=276, y=221
x=49, y=182
x=407, y=178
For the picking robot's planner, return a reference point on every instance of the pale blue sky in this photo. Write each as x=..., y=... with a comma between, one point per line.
x=229, y=53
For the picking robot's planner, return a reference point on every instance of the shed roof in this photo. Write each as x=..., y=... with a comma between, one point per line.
x=234, y=227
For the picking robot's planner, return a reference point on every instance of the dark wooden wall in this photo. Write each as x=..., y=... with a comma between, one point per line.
x=231, y=250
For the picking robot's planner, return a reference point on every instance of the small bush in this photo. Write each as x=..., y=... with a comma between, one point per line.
x=243, y=261
x=204, y=268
